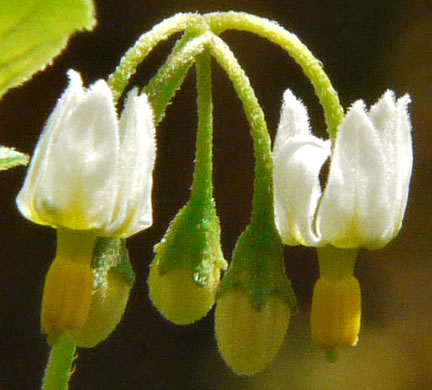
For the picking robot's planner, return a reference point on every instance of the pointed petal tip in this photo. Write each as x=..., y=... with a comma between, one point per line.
x=294, y=120
x=293, y=103
x=75, y=80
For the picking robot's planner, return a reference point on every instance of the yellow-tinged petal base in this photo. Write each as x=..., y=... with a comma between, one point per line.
x=178, y=298
x=106, y=310
x=247, y=339
x=336, y=312
x=67, y=296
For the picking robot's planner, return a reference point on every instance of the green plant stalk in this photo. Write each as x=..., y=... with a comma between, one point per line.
x=136, y=54
x=312, y=67
x=163, y=86
x=58, y=370
x=262, y=208
x=202, y=185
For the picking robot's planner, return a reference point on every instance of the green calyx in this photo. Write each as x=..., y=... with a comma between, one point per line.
x=111, y=255
x=192, y=242
x=258, y=267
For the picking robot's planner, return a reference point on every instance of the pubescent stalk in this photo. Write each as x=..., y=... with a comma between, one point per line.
x=58, y=370
x=202, y=185
x=163, y=86
x=312, y=67
x=136, y=54
x=262, y=210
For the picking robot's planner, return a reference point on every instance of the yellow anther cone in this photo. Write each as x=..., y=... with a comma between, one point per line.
x=336, y=312
x=67, y=296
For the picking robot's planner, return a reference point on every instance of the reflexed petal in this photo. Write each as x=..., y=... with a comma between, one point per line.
x=297, y=188
x=404, y=159
x=66, y=104
x=356, y=208
x=76, y=187
x=133, y=210
x=294, y=120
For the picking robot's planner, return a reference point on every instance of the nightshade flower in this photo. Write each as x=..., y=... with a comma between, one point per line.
x=90, y=176
x=361, y=205
x=91, y=171
x=364, y=200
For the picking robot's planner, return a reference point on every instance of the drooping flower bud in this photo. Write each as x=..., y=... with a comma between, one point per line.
x=185, y=272
x=113, y=280
x=249, y=337
x=254, y=302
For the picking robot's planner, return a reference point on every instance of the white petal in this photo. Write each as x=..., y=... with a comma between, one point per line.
x=356, y=209
x=297, y=188
x=404, y=160
x=392, y=121
x=72, y=96
x=133, y=210
x=294, y=120
x=76, y=188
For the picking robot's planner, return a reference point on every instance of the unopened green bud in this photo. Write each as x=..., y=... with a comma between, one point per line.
x=248, y=338
x=179, y=297
x=254, y=302
x=185, y=272
x=113, y=280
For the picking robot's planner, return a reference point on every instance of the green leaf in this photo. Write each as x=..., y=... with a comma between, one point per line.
x=10, y=158
x=33, y=32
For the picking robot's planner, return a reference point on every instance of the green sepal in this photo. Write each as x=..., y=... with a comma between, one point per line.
x=111, y=255
x=258, y=267
x=10, y=158
x=192, y=242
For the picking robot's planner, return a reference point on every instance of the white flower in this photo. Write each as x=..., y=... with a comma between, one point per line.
x=91, y=171
x=364, y=200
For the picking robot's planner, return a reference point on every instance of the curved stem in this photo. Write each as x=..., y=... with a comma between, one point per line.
x=136, y=54
x=59, y=367
x=312, y=68
x=162, y=87
x=202, y=185
x=262, y=210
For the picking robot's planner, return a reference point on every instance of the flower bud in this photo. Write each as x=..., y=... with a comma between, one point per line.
x=336, y=312
x=113, y=280
x=106, y=310
x=178, y=297
x=185, y=272
x=248, y=338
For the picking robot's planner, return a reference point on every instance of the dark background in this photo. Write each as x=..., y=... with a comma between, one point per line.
x=366, y=47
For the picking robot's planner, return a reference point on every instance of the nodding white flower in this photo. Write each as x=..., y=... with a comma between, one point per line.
x=364, y=200
x=90, y=170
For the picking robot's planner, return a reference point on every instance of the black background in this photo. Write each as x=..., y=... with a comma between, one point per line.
x=366, y=47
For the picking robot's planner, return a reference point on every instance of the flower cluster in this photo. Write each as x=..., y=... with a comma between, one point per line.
x=91, y=178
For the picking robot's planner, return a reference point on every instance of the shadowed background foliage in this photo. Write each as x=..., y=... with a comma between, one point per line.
x=366, y=47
